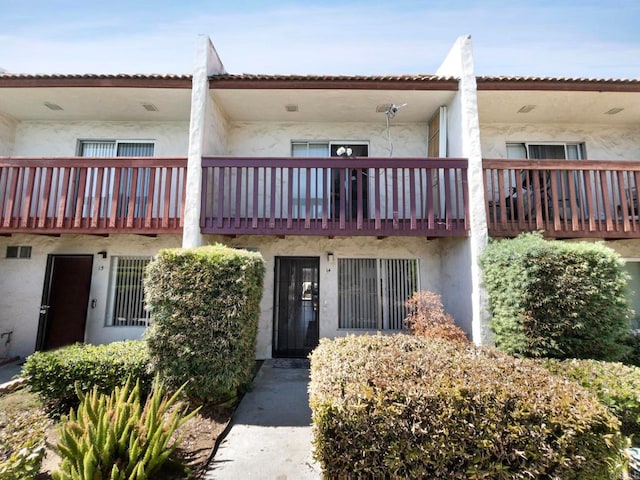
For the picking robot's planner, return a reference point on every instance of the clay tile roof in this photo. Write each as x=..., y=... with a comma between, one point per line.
x=95, y=80
x=558, y=83
x=408, y=82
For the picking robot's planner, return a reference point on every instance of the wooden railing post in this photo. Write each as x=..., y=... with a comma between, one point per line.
x=335, y=196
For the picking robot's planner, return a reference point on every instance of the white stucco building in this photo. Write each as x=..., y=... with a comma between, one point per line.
x=357, y=190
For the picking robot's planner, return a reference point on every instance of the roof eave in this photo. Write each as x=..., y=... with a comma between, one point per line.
x=107, y=81
x=558, y=84
x=333, y=83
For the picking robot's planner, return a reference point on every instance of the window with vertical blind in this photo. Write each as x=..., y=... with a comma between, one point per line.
x=372, y=292
x=126, y=292
x=116, y=148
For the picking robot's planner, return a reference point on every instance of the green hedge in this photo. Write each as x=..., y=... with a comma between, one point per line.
x=632, y=357
x=54, y=374
x=205, y=304
x=556, y=299
x=406, y=407
x=616, y=385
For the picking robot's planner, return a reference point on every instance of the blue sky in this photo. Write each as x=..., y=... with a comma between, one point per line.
x=548, y=38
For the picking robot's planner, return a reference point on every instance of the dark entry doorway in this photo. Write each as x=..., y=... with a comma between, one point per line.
x=65, y=299
x=297, y=304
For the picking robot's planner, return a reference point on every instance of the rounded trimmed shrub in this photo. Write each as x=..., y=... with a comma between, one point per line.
x=56, y=374
x=405, y=407
x=205, y=304
x=556, y=299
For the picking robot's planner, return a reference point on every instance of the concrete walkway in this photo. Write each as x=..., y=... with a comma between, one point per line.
x=10, y=370
x=270, y=437
x=8, y=376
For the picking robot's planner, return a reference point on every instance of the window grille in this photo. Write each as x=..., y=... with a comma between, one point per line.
x=127, y=306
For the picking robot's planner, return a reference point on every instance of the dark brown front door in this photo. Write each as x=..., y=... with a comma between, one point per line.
x=65, y=300
x=296, y=306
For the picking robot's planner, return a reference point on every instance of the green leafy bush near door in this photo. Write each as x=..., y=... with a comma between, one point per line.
x=556, y=299
x=205, y=304
x=57, y=374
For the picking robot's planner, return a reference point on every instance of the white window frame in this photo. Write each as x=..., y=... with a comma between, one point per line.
x=115, y=142
x=135, y=297
x=389, y=317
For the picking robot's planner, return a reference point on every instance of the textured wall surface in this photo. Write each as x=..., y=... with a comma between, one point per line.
x=254, y=139
x=602, y=143
x=427, y=251
x=42, y=139
x=7, y=135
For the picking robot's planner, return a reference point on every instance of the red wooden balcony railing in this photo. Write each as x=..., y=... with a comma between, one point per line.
x=335, y=196
x=563, y=198
x=92, y=195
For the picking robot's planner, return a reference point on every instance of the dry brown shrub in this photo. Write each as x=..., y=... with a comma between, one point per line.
x=427, y=318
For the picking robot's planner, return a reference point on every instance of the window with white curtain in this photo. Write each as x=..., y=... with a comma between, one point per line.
x=126, y=293
x=116, y=148
x=372, y=292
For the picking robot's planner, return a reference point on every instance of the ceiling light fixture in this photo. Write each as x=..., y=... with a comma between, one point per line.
x=53, y=106
x=292, y=107
x=526, y=108
x=613, y=111
x=149, y=107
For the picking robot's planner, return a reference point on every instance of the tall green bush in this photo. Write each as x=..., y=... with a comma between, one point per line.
x=556, y=299
x=56, y=374
x=205, y=304
x=406, y=407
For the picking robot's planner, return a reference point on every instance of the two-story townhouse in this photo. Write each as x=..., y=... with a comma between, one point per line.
x=561, y=157
x=357, y=190
x=92, y=175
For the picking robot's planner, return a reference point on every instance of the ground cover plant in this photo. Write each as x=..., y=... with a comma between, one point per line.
x=27, y=434
x=406, y=407
x=23, y=427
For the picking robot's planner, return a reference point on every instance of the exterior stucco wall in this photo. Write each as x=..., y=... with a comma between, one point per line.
x=60, y=139
x=217, y=126
x=7, y=135
x=629, y=249
x=428, y=253
x=465, y=295
x=601, y=142
x=273, y=139
x=22, y=281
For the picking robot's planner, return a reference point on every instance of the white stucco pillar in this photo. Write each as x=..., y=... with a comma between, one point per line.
x=207, y=63
x=459, y=63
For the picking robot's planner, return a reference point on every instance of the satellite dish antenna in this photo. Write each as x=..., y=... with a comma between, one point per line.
x=393, y=110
